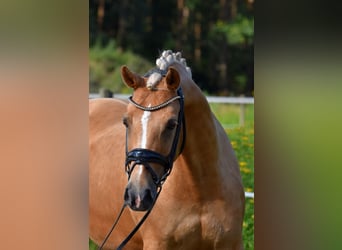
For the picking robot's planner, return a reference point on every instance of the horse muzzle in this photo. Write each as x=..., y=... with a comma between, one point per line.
x=139, y=199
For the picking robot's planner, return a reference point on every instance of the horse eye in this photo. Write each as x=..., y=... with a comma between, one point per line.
x=171, y=124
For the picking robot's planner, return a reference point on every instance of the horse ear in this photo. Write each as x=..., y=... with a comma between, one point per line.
x=172, y=79
x=131, y=79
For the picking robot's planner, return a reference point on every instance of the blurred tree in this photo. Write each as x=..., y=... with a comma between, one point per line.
x=216, y=37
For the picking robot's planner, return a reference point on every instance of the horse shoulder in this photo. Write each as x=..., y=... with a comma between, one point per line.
x=106, y=131
x=106, y=109
x=104, y=114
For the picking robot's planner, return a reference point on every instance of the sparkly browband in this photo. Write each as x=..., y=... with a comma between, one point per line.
x=162, y=105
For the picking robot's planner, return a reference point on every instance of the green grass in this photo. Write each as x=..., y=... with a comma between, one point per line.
x=229, y=114
x=92, y=246
x=242, y=139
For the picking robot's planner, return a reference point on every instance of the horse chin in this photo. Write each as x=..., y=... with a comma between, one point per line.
x=139, y=209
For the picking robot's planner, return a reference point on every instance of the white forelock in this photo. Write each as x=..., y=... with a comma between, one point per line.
x=168, y=57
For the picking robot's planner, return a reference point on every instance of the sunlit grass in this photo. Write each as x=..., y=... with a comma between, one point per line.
x=229, y=114
x=92, y=246
x=242, y=139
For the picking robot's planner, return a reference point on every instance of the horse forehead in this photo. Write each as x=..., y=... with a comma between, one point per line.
x=171, y=110
x=146, y=97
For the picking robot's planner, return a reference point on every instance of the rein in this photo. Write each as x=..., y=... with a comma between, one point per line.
x=131, y=234
x=141, y=156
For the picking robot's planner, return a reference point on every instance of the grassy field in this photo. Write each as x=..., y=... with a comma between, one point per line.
x=242, y=139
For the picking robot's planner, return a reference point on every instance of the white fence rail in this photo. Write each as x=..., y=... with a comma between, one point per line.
x=211, y=99
x=230, y=100
x=249, y=195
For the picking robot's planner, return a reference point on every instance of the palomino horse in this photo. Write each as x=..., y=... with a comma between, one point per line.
x=201, y=205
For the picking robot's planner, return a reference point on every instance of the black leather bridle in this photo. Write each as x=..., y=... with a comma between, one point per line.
x=142, y=156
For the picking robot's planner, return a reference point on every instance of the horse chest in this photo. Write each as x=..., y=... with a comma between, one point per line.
x=199, y=231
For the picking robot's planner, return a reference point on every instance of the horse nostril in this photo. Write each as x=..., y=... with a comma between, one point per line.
x=148, y=196
x=129, y=198
x=139, y=201
x=126, y=195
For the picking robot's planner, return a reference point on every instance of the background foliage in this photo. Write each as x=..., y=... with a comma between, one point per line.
x=216, y=37
x=105, y=63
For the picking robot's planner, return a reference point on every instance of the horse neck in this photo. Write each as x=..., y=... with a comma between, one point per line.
x=201, y=147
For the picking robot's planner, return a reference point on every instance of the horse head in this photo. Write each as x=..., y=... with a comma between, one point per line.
x=153, y=125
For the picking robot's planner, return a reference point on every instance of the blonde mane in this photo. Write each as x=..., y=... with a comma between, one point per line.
x=166, y=59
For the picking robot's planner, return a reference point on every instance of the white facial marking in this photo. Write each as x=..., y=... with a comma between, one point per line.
x=144, y=122
x=140, y=171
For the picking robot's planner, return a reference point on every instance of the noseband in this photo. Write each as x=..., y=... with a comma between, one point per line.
x=142, y=156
